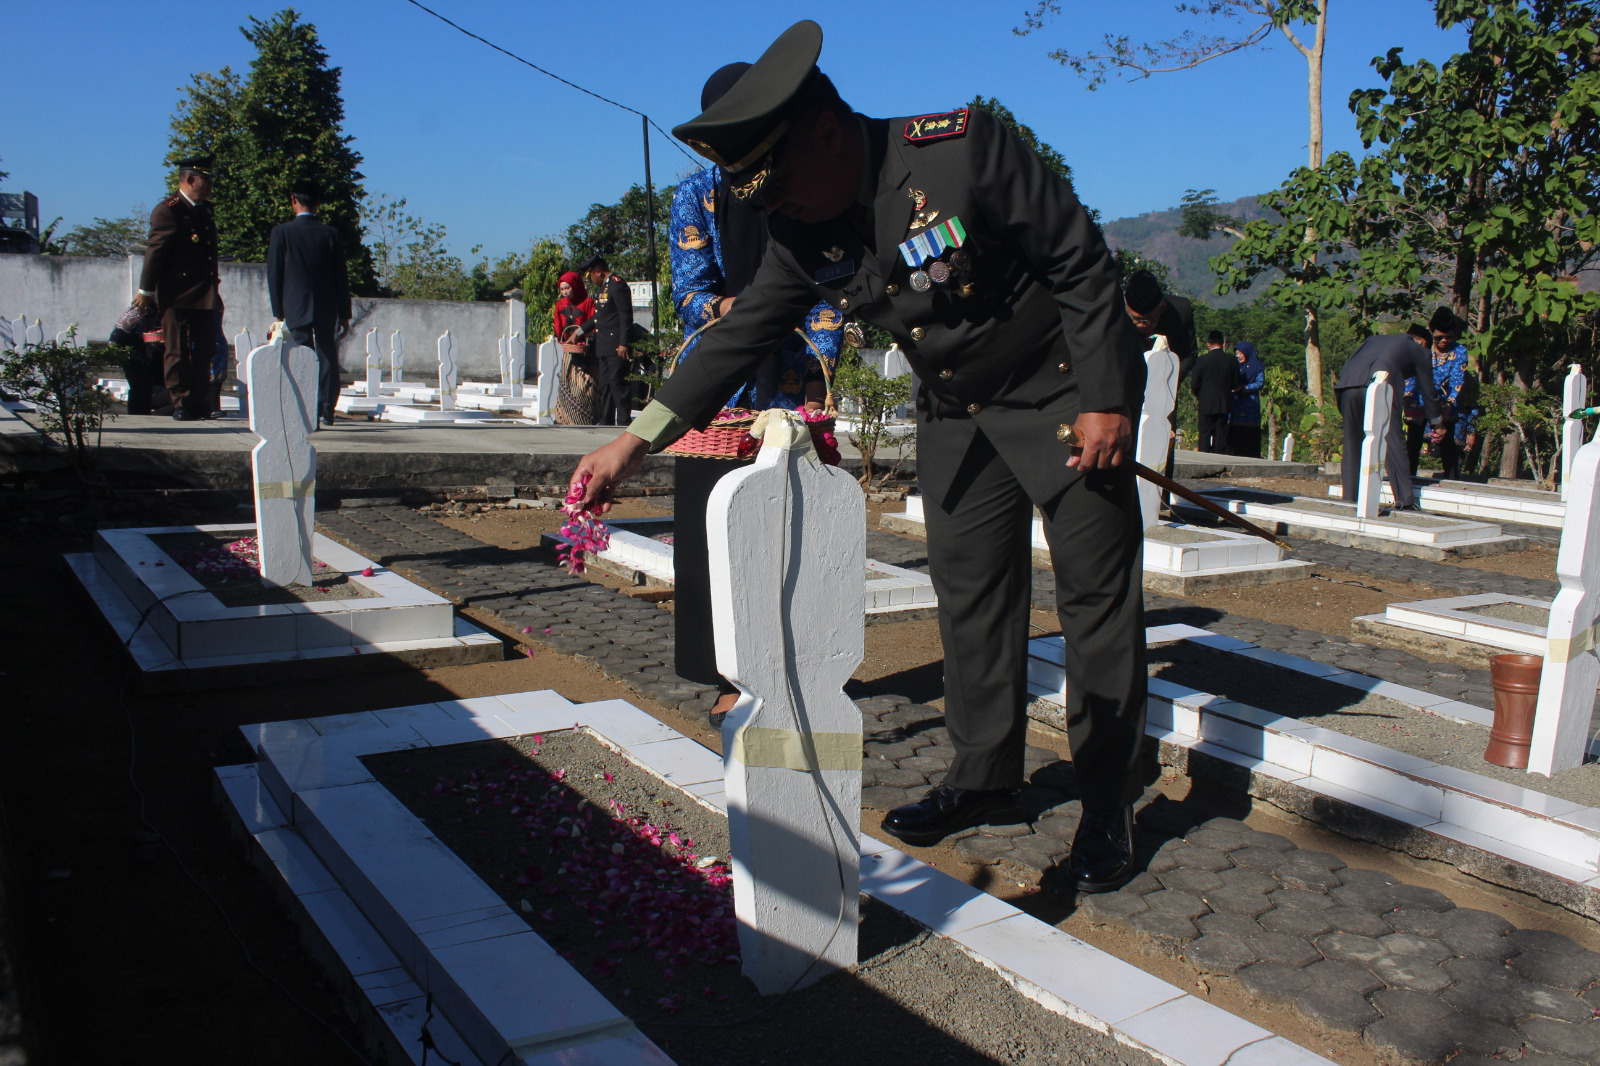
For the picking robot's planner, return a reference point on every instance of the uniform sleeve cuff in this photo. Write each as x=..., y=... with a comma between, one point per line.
x=658, y=426
x=146, y=292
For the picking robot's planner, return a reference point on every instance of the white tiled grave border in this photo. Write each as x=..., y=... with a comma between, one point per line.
x=1455, y=534
x=1224, y=551
x=174, y=624
x=1556, y=836
x=1465, y=499
x=1457, y=617
x=891, y=589
x=405, y=917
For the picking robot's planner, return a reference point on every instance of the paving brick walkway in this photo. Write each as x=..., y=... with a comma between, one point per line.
x=1356, y=951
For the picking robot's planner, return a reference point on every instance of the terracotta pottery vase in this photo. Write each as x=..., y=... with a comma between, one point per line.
x=1516, y=693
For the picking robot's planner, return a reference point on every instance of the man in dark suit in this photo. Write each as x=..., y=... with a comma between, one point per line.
x=310, y=290
x=1403, y=355
x=1216, y=373
x=613, y=318
x=180, y=280
x=950, y=233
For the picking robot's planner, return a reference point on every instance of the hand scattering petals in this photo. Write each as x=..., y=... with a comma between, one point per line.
x=583, y=531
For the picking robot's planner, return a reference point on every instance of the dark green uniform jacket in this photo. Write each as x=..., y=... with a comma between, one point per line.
x=1042, y=336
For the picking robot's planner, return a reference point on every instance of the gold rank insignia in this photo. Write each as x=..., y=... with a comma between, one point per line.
x=927, y=128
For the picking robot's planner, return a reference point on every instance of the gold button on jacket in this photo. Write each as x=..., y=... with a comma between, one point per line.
x=946, y=374
x=892, y=289
x=974, y=408
x=917, y=333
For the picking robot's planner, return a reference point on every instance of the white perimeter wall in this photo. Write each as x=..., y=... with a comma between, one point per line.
x=63, y=290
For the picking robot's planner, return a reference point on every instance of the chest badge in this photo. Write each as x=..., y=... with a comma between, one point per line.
x=854, y=335
x=834, y=254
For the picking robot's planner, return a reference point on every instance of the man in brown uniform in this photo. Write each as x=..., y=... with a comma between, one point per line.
x=180, y=279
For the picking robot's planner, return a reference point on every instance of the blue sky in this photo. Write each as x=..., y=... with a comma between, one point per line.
x=501, y=155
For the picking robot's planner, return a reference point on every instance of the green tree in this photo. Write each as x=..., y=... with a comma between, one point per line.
x=541, y=280
x=108, y=237
x=1258, y=19
x=618, y=232
x=410, y=257
x=1494, y=160
x=281, y=125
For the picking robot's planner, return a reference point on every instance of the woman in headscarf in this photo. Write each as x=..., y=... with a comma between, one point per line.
x=1244, y=420
x=717, y=242
x=575, y=395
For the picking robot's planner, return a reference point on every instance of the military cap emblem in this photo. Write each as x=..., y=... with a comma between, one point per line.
x=928, y=128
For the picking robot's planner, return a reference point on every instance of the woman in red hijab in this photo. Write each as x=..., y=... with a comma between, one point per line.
x=576, y=394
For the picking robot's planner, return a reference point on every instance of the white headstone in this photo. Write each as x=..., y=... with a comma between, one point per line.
x=447, y=372
x=243, y=345
x=546, y=387
x=1375, y=427
x=1155, y=431
x=397, y=357
x=787, y=539
x=1288, y=447
x=504, y=361
x=67, y=338
x=283, y=386
x=374, y=365
x=33, y=334
x=516, y=363
x=1574, y=395
x=1571, y=665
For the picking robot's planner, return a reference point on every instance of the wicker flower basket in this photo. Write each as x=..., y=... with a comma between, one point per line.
x=723, y=439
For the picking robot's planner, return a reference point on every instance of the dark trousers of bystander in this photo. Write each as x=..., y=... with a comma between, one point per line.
x=191, y=341
x=1213, y=433
x=1353, y=410
x=614, y=404
x=694, y=646
x=322, y=339
x=1244, y=438
x=1446, y=451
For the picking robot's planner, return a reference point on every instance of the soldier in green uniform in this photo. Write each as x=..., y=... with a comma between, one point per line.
x=950, y=233
x=180, y=280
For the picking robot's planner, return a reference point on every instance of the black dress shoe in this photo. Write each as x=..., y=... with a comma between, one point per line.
x=179, y=414
x=945, y=810
x=1102, y=850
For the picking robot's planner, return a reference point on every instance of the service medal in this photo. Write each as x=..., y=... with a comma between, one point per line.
x=939, y=271
x=920, y=280
x=854, y=335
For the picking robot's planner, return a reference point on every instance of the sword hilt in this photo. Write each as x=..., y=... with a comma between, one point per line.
x=1068, y=434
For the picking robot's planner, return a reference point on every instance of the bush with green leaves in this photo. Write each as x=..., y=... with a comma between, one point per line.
x=1532, y=416
x=59, y=381
x=872, y=398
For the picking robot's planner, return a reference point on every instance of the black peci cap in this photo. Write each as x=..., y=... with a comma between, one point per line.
x=200, y=164
x=1143, y=292
x=741, y=131
x=595, y=261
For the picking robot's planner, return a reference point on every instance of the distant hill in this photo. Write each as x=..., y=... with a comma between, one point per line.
x=1155, y=236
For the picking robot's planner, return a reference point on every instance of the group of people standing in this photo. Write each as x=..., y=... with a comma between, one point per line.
x=1227, y=390
x=594, y=332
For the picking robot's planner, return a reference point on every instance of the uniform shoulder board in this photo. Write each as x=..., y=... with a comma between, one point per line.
x=928, y=128
x=172, y=201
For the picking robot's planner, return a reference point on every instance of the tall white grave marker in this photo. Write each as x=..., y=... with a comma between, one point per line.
x=283, y=388
x=1375, y=426
x=374, y=365
x=447, y=372
x=67, y=338
x=1150, y=447
x=787, y=540
x=504, y=362
x=546, y=387
x=1571, y=664
x=397, y=356
x=33, y=334
x=516, y=363
x=243, y=345
x=1574, y=395
x=1288, y=447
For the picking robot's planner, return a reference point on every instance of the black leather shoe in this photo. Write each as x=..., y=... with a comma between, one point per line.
x=179, y=414
x=1102, y=850
x=945, y=810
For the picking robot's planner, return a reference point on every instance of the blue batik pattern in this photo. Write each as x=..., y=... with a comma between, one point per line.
x=698, y=283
